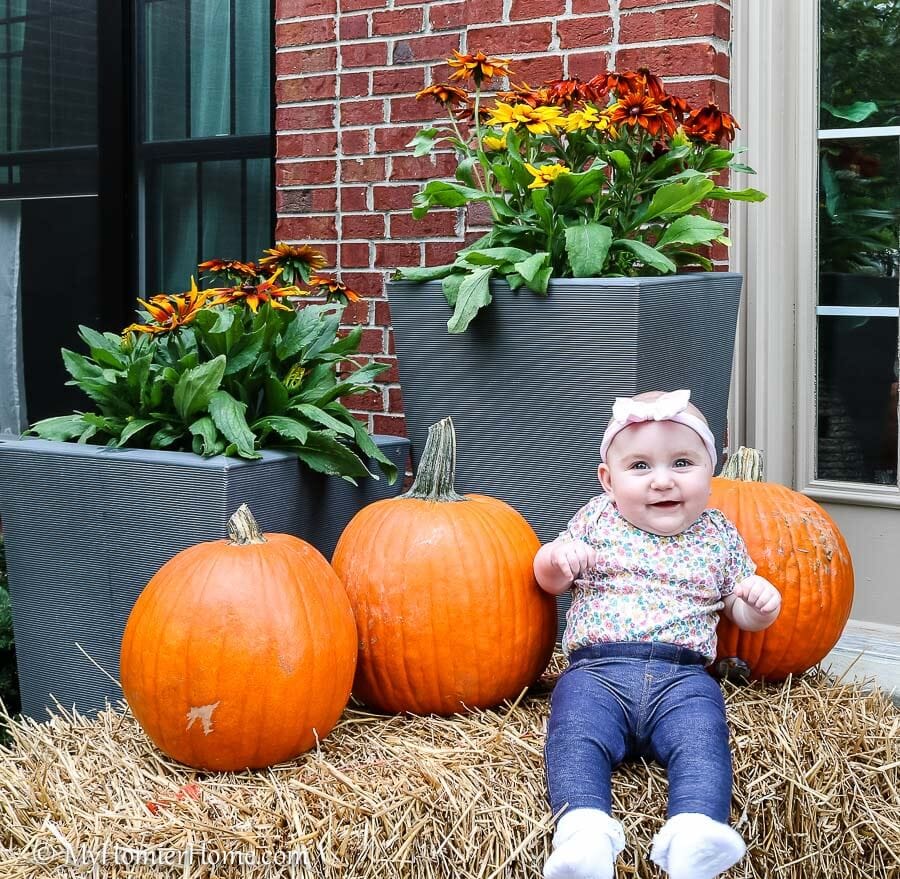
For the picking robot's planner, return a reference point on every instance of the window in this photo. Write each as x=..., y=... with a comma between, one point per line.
x=135, y=141
x=859, y=254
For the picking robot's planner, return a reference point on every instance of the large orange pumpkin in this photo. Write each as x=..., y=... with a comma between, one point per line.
x=442, y=585
x=798, y=548
x=240, y=653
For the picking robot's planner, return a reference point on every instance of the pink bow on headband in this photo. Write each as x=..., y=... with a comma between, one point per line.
x=667, y=407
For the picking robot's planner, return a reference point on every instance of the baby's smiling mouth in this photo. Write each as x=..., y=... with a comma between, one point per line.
x=665, y=505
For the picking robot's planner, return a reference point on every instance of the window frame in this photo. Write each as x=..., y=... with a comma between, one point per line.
x=774, y=387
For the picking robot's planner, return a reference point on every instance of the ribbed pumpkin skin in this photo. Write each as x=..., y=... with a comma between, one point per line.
x=263, y=632
x=798, y=548
x=447, y=608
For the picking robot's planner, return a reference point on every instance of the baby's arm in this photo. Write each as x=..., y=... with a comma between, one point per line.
x=754, y=605
x=559, y=564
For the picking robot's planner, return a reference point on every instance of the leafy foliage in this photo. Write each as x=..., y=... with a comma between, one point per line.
x=231, y=381
x=9, y=683
x=607, y=178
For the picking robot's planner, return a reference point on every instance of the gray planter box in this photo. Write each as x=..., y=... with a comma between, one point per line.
x=87, y=526
x=530, y=385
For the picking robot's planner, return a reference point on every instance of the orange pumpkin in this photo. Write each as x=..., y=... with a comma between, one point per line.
x=442, y=585
x=240, y=653
x=798, y=548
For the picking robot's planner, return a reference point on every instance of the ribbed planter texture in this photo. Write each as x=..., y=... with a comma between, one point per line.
x=531, y=384
x=87, y=526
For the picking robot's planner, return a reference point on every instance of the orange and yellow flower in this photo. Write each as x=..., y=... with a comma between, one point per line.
x=255, y=295
x=711, y=124
x=281, y=253
x=525, y=94
x=545, y=174
x=231, y=267
x=477, y=66
x=569, y=92
x=637, y=108
x=171, y=311
x=444, y=94
x=538, y=120
x=332, y=287
x=494, y=144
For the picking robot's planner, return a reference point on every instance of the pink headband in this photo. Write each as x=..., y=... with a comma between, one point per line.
x=667, y=407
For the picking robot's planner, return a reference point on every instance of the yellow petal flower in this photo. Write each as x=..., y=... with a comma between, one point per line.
x=545, y=175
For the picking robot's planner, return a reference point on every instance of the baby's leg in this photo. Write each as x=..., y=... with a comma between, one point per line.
x=689, y=736
x=586, y=738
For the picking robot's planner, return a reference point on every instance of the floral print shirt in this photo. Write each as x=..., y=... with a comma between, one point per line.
x=650, y=587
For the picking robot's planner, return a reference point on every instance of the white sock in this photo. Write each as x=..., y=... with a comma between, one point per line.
x=585, y=846
x=694, y=846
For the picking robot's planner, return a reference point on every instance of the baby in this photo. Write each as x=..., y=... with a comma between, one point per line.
x=649, y=568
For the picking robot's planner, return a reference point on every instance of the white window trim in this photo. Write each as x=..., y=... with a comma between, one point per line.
x=774, y=72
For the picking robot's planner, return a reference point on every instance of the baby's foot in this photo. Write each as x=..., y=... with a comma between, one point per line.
x=585, y=846
x=694, y=846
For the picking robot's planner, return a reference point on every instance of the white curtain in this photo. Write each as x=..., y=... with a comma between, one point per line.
x=13, y=417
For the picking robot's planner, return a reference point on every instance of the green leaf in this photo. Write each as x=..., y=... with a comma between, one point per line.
x=690, y=230
x=504, y=175
x=678, y=198
x=132, y=428
x=325, y=454
x=205, y=430
x=474, y=294
x=451, y=285
x=196, y=387
x=492, y=256
x=646, y=254
x=61, y=428
x=542, y=209
x=246, y=355
x=587, y=246
x=228, y=415
x=314, y=413
x=715, y=159
x=465, y=171
x=289, y=428
x=166, y=436
x=721, y=194
x=741, y=167
x=444, y=194
x=368, y=447
x=570, y=189
x=531, y=270
x=276, y=395
x=424, y=141
x=855, y=112
x=621, y=160
x=423, y=274
x=80, y=367
x=103, y=349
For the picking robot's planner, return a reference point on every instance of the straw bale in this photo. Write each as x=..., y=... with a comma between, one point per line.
x=817, y=794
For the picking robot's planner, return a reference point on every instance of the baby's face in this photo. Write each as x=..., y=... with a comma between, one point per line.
x=659, y=475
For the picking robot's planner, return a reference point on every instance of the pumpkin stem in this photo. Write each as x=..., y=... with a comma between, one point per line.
x=243, y=529
x=745, y=464
x=437, y=469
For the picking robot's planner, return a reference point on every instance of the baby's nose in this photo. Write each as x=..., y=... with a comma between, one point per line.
x=662, y=478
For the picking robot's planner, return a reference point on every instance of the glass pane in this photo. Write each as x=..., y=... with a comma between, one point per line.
x=253, y=69
x=172, y=233
x=857, y=399
x=50, y=317
x=211, y=67
x=166, y=70
x=221, y=216
x=859, y=210
x=259, y=206
x=52, y=99
x=860, y=63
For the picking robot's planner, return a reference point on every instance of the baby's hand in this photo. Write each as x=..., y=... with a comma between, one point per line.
x=573, y=558
x=760, y=595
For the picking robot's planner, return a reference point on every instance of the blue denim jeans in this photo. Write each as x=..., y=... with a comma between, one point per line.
x=652, y=700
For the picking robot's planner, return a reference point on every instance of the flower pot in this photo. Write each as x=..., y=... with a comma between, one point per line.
x=530, y=385
x=87, y=526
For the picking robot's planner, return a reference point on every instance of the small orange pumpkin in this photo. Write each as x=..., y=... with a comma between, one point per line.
x=798, y=548
x=448, y=610
x=240, y=653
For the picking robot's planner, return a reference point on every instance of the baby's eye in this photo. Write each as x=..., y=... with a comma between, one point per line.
x=639, y=465
x=683, y=462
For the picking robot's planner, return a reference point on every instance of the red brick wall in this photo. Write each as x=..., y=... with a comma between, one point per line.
x=347, y=74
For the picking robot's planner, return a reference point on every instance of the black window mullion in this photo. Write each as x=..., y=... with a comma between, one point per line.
x=199, y=167
x=244, y=254
x=232, y=85
x=187, y=68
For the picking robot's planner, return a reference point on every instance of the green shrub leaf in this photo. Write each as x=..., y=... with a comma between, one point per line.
x=587, y=246
x=474, y=294
x=228, y=415
x=196, y=387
